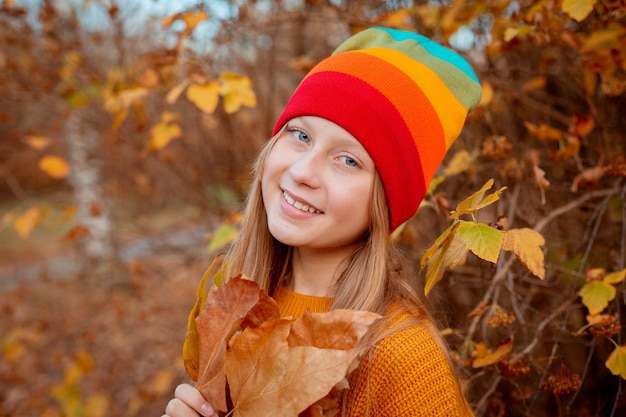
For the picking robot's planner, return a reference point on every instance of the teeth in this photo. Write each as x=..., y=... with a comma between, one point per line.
x=299, y=205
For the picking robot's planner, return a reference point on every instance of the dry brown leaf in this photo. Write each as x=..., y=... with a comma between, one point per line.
x=225, y=309
x=338, y=329
x=264, y=310
x=267, y=377
x=270, y=365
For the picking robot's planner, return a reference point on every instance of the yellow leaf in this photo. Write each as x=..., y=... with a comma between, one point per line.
x=37, y=142
x=191, y=355
x=192, y=19
x=486, y=359
x=460, y=162
x=487, y=95
x=510, y=34
x=224, y=235
x=616, y=362
x=578, y=9
x=162, y=134
x=55, y=166
x=526, y=245
x=484, y=241
x=448, y=251
x=128, y=96
x=174, y=93
x=204, y=96
x=615, y=277
x=396, y=19
x=520, y=31
x=237, y=92
x=596, y=295
x=477, y=201
x=544, y=132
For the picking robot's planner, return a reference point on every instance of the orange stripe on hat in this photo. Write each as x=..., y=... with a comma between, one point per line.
x=412, y=104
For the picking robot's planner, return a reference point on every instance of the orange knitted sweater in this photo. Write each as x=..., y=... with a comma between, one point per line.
x=406, y=374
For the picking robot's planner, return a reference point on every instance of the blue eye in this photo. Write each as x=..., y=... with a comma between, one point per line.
x=301, y=136
x=349, y=161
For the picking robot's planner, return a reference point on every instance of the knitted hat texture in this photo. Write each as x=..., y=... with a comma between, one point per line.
x=403, y=96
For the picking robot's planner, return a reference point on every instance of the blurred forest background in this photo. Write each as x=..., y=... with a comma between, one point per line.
x=127, y=130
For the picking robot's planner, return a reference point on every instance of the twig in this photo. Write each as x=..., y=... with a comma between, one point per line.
x=570, y=206
x=494, y=384
x=540, y=328
x=587, y=365
x=598, y=220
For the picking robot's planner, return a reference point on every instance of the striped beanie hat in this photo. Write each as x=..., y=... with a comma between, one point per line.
x=403, y=96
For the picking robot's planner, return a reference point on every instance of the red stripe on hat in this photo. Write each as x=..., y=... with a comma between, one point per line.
x=406, y=95
x=375, y=121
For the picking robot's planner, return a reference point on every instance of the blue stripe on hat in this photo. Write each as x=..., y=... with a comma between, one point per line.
x=434, y=49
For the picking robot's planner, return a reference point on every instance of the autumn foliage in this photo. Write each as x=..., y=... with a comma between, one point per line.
x=250, y=361
x=127, y=133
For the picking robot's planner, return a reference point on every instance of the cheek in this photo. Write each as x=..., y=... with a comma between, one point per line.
x=356, y=203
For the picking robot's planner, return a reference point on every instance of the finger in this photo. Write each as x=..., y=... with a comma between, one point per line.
x=192, y=397
x=177, y=408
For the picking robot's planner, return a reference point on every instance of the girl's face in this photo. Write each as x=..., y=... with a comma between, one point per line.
x=317, y=185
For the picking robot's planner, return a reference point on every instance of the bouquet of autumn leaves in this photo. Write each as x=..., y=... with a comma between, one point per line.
x=248, y=361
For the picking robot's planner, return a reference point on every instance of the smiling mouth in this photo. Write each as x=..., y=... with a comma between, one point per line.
x=299, y=205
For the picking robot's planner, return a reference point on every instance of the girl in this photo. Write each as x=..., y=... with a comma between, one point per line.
x=349, y=161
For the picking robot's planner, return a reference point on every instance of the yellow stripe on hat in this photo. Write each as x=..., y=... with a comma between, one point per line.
x=450, y=110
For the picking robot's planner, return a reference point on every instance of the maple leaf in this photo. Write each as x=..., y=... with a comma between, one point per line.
x=223, y=312
x=286, y=365
x=526, y=244
x=237, y=343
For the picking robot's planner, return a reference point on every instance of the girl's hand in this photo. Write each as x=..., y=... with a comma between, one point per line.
x=188, y=402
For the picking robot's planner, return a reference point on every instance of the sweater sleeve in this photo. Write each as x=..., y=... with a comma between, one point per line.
x=406, y=374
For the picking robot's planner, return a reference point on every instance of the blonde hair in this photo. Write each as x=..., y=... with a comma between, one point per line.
x=389, y=291
x=256, y=254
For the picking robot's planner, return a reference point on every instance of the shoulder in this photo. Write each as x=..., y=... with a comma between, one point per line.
x=411, y=341
x=407, y=372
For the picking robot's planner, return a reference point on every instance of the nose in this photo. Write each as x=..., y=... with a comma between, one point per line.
x=306, y=169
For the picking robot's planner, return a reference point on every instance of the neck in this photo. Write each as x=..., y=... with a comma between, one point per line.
x=315, y=272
